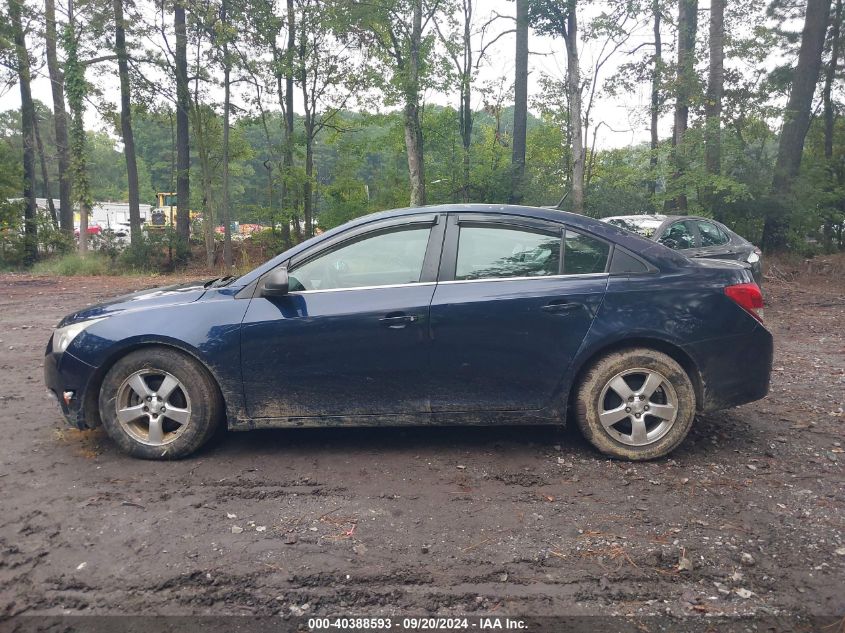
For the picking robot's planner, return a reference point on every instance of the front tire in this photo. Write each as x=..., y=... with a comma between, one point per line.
x=158, y=403
x=635, y=404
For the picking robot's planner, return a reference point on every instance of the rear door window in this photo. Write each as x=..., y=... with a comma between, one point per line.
x=679, y=236
x=584, y=255
x=490, y=252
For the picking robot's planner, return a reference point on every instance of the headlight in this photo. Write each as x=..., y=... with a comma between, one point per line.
x=63, y=336
x=753, y=257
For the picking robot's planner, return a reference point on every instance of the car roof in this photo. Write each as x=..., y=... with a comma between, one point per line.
x=652, y=251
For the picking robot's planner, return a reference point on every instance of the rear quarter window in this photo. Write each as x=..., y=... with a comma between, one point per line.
x=623, y=262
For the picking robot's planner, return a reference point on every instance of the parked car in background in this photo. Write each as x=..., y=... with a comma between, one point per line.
x=93, y=229
x=694, y=237
x=458, y=314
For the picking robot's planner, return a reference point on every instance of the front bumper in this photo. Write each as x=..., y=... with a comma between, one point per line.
x=66, y=374
x=734, y=370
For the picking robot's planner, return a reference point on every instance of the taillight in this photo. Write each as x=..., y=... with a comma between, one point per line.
x=748, y=297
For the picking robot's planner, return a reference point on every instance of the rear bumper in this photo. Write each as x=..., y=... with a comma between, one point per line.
x=66, y=374
x=739, y=372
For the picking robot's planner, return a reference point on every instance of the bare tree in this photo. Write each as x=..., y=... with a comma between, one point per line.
x=326, y=80
x=561, y=19
x=458, y=42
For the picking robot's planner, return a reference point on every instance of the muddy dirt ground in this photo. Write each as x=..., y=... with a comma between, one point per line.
x=747, y=517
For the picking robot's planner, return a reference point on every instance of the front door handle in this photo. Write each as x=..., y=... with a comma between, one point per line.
x=397, y=320
x=561, y=307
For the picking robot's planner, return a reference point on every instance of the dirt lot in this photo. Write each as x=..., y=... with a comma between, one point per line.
x=747, y=517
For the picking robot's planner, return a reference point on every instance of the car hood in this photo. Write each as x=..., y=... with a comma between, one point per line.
x=141, y=300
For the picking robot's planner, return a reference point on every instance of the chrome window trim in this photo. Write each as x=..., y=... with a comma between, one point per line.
x=535, y=278
x=454, y=281
x=408, y=285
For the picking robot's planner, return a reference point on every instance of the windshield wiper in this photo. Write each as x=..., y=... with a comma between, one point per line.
x=221, y=281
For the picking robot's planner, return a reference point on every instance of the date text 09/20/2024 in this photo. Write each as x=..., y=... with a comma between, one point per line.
x=417, y=623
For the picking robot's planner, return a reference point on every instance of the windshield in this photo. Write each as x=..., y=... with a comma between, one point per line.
x=644, y=226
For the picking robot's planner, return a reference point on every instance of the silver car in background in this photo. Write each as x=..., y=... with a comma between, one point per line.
x=694, y=237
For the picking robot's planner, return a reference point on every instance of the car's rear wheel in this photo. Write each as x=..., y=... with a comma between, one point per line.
x=158, y=403
x=635, y=404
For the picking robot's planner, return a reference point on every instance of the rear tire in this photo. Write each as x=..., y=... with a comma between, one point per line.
x=635, y=404
x=158, y=403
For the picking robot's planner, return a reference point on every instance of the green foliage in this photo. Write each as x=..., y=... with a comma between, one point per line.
x=76, y=89
x=360, y=160
x=270, y=243
x=12, y=252
x=154, y=251
x=74, y=265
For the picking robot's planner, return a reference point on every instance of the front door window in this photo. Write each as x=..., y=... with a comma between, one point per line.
x=385, y=259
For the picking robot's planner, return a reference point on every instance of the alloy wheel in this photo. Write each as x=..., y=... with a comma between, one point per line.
x=153, y=407
x=638, y=406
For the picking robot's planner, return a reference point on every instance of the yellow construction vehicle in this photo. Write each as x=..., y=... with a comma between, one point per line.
x=163, y=214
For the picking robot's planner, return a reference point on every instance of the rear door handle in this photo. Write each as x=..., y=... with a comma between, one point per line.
x=561, y=307
x=397, y=320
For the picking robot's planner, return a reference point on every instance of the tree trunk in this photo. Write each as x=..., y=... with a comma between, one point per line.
x=466, y=116
x=520, y=103
x=45, y=177
x=713, y=102
x=224, y=209
x=414, y=147
x=656, y=75
x=796, y=119
x=57, y=83
x=830, y=77
x=27, y=132
x=413, y=128
x=287, y=157
x=687, y=27
x=309, y=124
x=208, y=214
x=308, y=187
x=183, y=148
x=830, y=117
x=76, y=94
x=573, y=88
x=126, y=122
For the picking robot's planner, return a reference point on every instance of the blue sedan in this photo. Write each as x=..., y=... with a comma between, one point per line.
x=459, y=314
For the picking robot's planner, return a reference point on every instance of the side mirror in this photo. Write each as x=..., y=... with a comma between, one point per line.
x=275, y=284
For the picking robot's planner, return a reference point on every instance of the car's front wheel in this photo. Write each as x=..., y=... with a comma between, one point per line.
x=635, y=404
x=158, y=403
